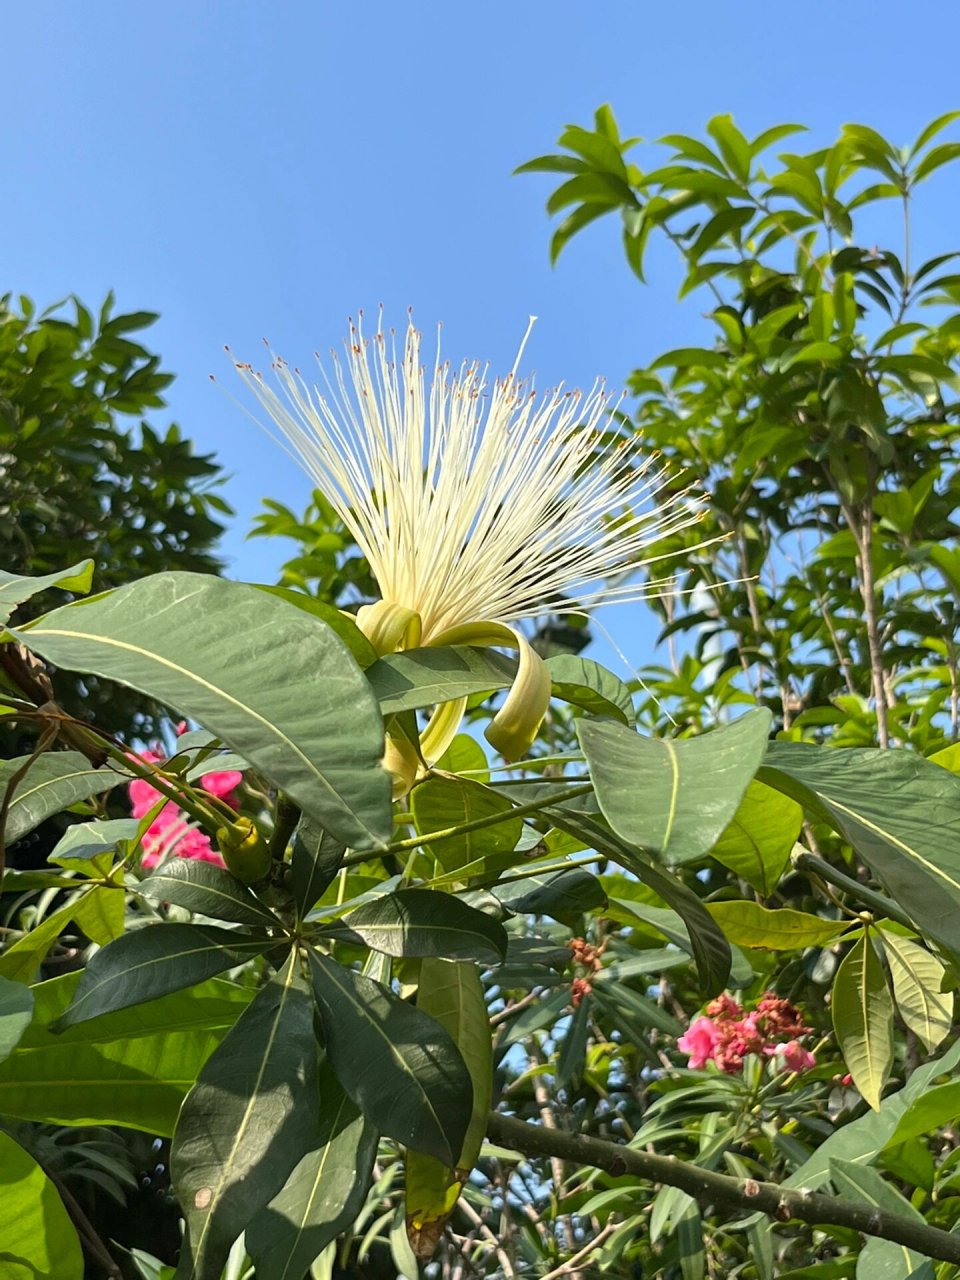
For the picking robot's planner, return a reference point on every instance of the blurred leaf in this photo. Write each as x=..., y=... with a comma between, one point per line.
x=37, y=1237
x=759, y=838
x=16, y=1011
x=14, y=588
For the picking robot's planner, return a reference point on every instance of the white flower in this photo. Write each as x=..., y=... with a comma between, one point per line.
x=473, y=501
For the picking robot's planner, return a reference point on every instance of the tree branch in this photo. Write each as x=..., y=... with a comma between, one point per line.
x=740, y=1194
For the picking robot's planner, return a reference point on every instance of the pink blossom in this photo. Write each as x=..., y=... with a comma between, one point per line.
x=170, y=834
x=699, y=1042
x=795, y=1057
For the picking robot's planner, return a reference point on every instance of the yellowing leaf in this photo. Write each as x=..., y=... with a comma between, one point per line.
x=917, y=976
x=747, y=924
x=863, y=1019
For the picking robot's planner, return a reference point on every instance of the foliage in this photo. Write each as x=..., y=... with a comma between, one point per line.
x=77, y=482
x=633, y=940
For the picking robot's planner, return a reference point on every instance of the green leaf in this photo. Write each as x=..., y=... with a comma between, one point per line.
x=928, y=1112
x=439, y=804
x=16, y=1010
x=749, y=925
x=15, y=589
x=207, y=889
x=917, y=976
x=130, y=1068
x=863, y=1019
x=673, y=797
x=711, y=949
x=153, y=961
x=55, y=781
x=452, y=994
x=756, y=844
x=564, y=896
x=314, y=865
x=86, y=840
x=398, y=1065
x=323, y=1194
x=97, y=911
x=912, y=845
x=338, y=621
x=587, y=684
x=247, y=1121
x=425, y=677
x=423, y=922
x=37, y=1238
x=226, y=656
x=880, y=1259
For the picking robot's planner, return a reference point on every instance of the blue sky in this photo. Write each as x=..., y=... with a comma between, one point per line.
x=252, y=169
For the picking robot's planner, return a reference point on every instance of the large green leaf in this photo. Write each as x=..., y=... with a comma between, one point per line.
x=585, y=683
x=424, y=677
x=756, y=843
x=422, y=922
x=37, y=1238
x=315, y=862
x=673, y=797
x=207, y=889
x=439, y=804
x=15, y=589
x=55, y=781
x=398, y=1065
x=16, y=1010
x=711, y=949
x=247, y=1121
x=917, y=976
x=151, y=962
x=565, y=896
x=129, y=1068
x=750, y=925
x=863, y=1019
x=453, y=995
x=322, y=1196
x=338, y=621
x=274, y=684
x=900, y=812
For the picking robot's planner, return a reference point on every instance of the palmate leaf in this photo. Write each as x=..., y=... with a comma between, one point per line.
x=155, y=960
x=901, y=814
x=273, y=683
x=323, y=1194
x=249, y=1119
x=422, y=922
x=397, y=1064
x=207, y=889
x=315, y=862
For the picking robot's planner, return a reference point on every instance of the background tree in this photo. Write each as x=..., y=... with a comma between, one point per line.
x=77, y=481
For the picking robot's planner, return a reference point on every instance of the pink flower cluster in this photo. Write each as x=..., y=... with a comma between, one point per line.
x=725, y=1034
x=170, y=834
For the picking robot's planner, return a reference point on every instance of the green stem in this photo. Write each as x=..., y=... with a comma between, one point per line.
x=478, y=824
x=815, y=865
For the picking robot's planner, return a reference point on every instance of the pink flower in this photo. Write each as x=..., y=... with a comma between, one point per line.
x=170, y=834
x=223, y=785
x=795, y=1057
x=699, y=1041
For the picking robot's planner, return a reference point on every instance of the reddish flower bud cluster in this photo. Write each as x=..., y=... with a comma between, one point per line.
x=588, y=957
x=170, y=834
x=725, y=1033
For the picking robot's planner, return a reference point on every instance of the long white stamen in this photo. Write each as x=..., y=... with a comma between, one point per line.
x=476, y=500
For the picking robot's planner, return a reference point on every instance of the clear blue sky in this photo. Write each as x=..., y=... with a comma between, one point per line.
x=251, y=169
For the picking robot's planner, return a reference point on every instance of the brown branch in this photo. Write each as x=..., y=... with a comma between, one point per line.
x=708, y=1187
